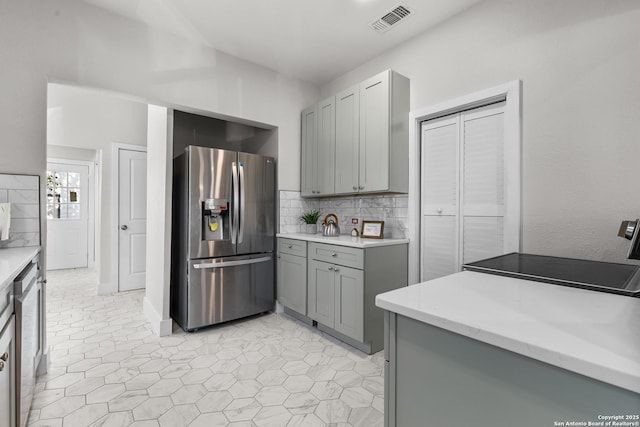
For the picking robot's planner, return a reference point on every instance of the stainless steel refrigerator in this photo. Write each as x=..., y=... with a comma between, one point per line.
x=223, y=236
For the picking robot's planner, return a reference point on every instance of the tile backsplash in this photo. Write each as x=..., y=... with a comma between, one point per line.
x=392, y=209
x=23, y=192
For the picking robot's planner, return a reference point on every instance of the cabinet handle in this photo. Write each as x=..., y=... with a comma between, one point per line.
x=5, y=356
x=333, y=254
x=330, y=268
x=439, y=210
x=355, y=187
x=289, y=246
x=336, y=269
x=361, y=187
x=1, y=366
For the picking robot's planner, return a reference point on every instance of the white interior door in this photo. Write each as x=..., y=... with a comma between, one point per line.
x=132, y=219
x=67, y=216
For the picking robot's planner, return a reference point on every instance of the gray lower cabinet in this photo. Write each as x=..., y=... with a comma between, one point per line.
x=342, y=285
x=291, y=280
x=7, y=374
x=434, y=377
x=336, y=297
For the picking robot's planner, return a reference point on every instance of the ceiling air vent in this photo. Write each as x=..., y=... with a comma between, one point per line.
x=390, y=18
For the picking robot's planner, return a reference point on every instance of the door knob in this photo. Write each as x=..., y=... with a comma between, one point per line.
x=123, y=227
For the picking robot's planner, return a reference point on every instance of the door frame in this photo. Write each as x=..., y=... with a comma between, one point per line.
x=93, y=203
x=115, y=199
x=511, y=93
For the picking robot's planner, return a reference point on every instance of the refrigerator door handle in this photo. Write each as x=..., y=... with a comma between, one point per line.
x=236, y=214
x=242, y=205
x=231, y=263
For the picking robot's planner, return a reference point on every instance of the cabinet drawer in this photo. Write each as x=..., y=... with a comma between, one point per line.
x=292, y=247
x=341, y=255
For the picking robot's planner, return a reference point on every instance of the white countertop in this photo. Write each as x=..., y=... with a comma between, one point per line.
x=343, y=240
x=592, y=333
x=12, y=261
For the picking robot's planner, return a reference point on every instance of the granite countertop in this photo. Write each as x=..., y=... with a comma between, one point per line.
x=13, y=260
x=343, y=240
x=591, y=333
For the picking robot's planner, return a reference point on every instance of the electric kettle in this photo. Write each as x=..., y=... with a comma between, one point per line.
x=330, y=227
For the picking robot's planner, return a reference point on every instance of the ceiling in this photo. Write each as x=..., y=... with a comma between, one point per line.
x=314, y=40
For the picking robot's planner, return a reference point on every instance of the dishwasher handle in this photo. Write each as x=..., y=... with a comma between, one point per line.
x=25, y=279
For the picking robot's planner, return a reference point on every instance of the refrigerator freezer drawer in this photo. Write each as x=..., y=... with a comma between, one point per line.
x=225, y=289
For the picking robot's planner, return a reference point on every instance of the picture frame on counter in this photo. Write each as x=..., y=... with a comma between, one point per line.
x=372, y=229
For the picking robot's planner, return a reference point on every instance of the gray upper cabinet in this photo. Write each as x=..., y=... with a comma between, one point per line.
x=318, y=149
x=384, y=133
x=365, y=145
x=326, y=146
x=309, y=161
x=347, y=140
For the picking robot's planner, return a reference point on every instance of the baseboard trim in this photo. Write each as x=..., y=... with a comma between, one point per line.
x=105, y=289
x=161, y=327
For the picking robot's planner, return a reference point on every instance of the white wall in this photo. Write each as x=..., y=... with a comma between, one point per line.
x=159, y=191
x=88, y=118
x=71, y=41
x=71, y=153
x=579, y=62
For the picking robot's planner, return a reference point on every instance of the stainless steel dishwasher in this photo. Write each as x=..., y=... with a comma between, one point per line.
x=28, y=301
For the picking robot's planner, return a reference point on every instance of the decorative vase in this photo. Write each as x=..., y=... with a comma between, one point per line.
x=311, y=228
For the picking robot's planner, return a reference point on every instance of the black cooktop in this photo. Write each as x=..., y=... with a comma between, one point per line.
x=623, y=279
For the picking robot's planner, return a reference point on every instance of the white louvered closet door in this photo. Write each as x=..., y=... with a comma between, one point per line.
x=482, y=195
x=463, y=190
x=440, y=197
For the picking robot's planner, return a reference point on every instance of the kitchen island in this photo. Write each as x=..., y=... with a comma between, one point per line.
x=484, y=350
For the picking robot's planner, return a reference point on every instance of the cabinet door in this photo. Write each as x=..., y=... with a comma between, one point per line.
x=321, y=302
x=347, y=140
x=326, y=147
x=7, y=375
x=292, y=282
x=309, y=160
x=349, y=302
x=374, y=133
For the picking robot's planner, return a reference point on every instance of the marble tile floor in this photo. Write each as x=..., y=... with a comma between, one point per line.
x=109, y=369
